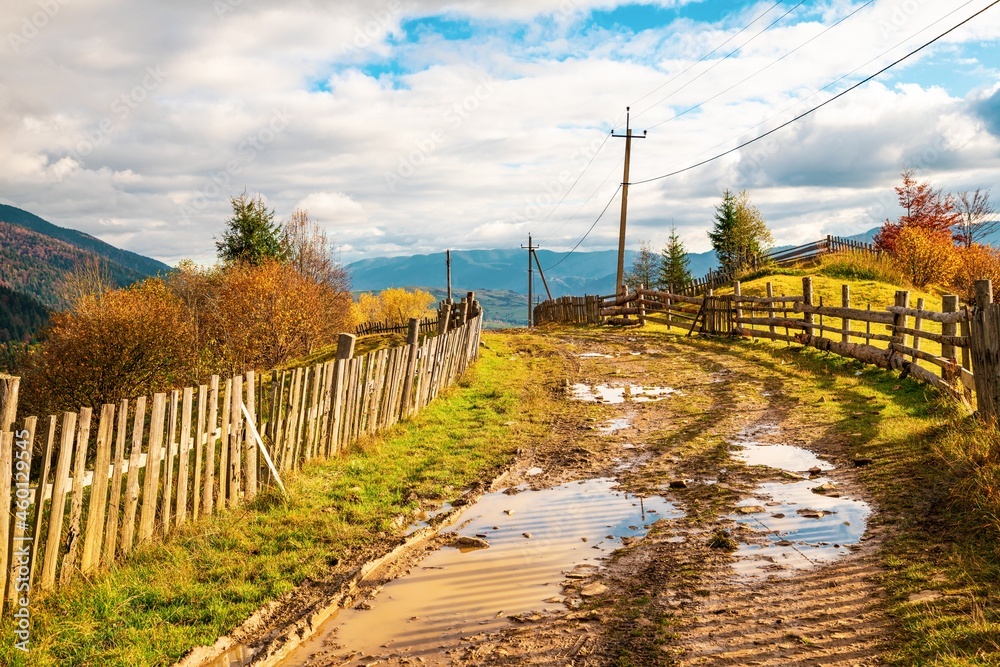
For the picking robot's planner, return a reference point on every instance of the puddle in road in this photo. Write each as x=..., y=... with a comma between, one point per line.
x=615, y=425
x=604, y=393
x=450, y=594
x=424, y=518
x=796, y=528
x=780, y=457
x=595, y=355
x=800, y=528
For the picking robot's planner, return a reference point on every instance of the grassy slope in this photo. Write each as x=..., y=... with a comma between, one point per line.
x=208, y=578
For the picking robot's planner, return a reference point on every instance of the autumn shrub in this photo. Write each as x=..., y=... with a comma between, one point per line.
x=861, y=265
x=976, y=262
x=925, y=256
x=112, y=344
x=394, y=306
x=262, y=316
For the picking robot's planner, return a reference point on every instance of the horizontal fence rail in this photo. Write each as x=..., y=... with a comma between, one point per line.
x=955, y=349
x=107, y=481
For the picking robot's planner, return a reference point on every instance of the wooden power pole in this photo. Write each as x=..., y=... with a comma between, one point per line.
x=621, y=232
x=447, y=261
x=531, y=253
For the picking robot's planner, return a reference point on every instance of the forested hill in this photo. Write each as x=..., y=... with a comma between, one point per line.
x=36, y=256
x=21, y=316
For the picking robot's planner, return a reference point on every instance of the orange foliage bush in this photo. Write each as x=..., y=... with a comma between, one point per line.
x=925, y=256
x=976, y=262
x=113, y=344
x=394, y=306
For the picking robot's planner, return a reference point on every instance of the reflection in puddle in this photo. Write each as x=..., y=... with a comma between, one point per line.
x=800, y=528
x=615, y=425
x=534, y=537
x=607, y=394
x=780, y=457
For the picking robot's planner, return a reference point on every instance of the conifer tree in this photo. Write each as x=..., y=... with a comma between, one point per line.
x=674, y=271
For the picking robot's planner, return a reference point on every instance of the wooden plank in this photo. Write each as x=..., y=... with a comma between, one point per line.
x=58, y=508
x=845, y=297
x=302, y=414
x=168, y=465
x=236, y=443
x=199, y=449
x=872, y=316
x=22, y=533
x=40, y=494
x=327, y=451
x=345, y=350
x=952, y=341
x=211, y=439
x=151, y=478
x=117, y=477
x=6, y=518
x=225, y=426
x=69, y=563
x=250, y=460
x=181, y=509
x=278, y=421
x=350, y=391
x=295, y=393
x=943, y=318
x=412, y=340
x=312, y=413
x=93, y=536
x=132, y=481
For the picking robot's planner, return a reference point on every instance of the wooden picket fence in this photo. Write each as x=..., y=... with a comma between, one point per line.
x=154, y=465
x=955, y=349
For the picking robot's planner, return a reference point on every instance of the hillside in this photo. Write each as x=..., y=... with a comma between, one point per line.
x=20, y=316
x=578, y=273
x=36, y=256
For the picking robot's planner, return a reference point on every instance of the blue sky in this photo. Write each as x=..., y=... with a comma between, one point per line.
x=410, y=126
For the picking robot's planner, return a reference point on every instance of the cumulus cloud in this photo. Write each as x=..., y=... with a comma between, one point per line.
x=136, y=121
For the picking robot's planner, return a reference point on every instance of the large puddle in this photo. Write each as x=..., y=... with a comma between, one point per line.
x=799, y=524
x=604, y=393
x=535, y=538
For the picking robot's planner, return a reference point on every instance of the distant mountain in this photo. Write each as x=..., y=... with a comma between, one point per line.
x=36, y=256
x=577, y=273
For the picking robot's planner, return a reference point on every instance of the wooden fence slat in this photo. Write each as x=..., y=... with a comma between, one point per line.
x=21, y=533
x=180, y=510
x=212, y=432
x=151, y=478
x=199, y=450
x=58, y=506
x=168, y=468
x=93, y=536
x=249, y=450
x=132, y=482
x=117, y=477
x=6, y=523
x=235, y=443
x=224, y=448
x=76, y=507
x=40, y=494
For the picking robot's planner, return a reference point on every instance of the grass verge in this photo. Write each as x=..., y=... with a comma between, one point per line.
x=208, y=577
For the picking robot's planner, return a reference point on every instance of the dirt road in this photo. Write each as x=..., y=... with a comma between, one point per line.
x=744, y=564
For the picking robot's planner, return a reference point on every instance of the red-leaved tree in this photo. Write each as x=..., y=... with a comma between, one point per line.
x=926, y=207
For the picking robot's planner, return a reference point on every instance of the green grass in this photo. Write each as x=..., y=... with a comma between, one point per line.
x=206, y=579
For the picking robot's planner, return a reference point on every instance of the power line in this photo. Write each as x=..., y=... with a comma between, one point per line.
x=719, y=62
x=821, y=105
x=766, y=67
x=577, y=212
x=566, y=194
x=838, y=80
x=703, y=58
x=606, y=207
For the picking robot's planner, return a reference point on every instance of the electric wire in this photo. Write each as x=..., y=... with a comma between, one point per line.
x=818, y=106
x=566, y=194
x=719, y=62
x=838, y=80
x=608, y=205
x=762, y=69
x=703, y=58
x=584, y=204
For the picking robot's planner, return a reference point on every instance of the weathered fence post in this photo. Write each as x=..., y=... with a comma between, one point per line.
x=9, y=387
x=770, y=307
x=949, y=304
x=737, y=303
x=845, y=297
x=985, y=343
x=899, y=320
x=642, y=306
x=411, y=365
x=807, y=299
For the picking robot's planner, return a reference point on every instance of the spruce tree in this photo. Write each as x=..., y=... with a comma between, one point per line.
x=251, y=235
x=674, y=271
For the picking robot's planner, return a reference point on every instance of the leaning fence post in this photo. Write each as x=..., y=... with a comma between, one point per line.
x=807, y=299
x=984, y=335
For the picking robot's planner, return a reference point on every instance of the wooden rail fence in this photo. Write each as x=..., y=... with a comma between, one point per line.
x=156, y=463
x=955, y=349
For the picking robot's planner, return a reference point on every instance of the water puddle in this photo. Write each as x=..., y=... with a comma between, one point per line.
x=604, y=393
x=799, y=528
x=615, y=425
x=535, y=538
x=780, y=457
x=424, y=518
x=795, y=527
x=595, y=355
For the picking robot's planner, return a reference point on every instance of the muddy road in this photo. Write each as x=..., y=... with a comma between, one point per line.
x=692, y=506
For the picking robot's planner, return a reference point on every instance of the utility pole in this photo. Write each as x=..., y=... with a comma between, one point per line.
x=531, y=252
x=447, y=261
x=621, y=232
x=545, y=282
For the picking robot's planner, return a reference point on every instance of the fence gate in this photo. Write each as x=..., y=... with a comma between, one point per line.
x=718, y=315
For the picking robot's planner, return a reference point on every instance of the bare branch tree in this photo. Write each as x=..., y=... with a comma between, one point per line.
x=309, y=250
x=978, y=216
